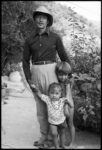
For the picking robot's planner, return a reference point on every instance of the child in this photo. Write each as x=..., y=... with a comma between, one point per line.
x=64, y=74
x=55, y=105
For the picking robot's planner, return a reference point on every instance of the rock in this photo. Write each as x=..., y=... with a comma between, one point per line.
x=98, y=85
x=5, y=78
x=97, y=68
x=15, y=76
x=3, y=93
x=86, y=87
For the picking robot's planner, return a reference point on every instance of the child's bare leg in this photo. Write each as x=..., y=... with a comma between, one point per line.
x=54, y=135
x=71, y=126
x=66, y=111
x=69, y=112
x=62, y=138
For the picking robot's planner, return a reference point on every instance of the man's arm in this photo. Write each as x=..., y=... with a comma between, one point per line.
x=26, y=61
x=62, y=52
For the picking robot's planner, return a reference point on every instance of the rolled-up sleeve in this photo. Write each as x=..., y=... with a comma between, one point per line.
x=26, y=61
x=62, y=52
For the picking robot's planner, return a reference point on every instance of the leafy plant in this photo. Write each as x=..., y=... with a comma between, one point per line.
x=87, y=79
x=10, y=67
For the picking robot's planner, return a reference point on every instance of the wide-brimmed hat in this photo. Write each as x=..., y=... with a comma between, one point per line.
x=43, y=10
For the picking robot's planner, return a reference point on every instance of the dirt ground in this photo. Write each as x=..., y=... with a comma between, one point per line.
x=20, y=127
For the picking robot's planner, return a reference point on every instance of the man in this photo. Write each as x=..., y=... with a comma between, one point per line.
x=41, y=48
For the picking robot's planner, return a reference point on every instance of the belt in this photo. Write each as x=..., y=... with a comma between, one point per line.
x=42, y=62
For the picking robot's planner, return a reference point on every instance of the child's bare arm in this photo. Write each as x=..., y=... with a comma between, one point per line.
x=37, y=92
x=35, y=89
x=69, y=95
x=68, y=103
x=72, y=82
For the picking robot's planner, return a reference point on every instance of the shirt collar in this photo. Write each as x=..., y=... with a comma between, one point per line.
x=47, y=31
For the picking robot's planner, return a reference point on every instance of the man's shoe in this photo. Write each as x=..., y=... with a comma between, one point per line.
x=40, y=142
x=43, y=146
x=50, y=143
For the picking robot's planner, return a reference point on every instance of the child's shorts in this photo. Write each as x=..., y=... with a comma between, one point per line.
x=61, y=126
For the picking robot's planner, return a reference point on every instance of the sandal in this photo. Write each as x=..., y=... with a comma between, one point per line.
x=39, y=144
x=43, y=146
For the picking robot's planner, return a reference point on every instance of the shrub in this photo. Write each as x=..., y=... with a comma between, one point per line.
x=87, y=99
x=10, y=67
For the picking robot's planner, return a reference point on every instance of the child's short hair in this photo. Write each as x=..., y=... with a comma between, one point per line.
x=54, y=85
x=63, y=67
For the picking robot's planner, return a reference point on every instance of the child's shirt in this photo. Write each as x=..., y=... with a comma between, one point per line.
x=55, y=109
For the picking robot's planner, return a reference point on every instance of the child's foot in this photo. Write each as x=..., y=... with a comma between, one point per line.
x=4, y=102
x=63, y=146
x=70, y=147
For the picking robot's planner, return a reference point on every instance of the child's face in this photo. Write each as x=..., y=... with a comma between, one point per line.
x=62, y=77
x=55, y=94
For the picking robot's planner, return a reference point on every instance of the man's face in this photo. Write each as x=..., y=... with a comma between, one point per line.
x=41, y=21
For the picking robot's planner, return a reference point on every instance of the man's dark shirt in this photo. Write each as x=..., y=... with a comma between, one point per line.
x=42, y=48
